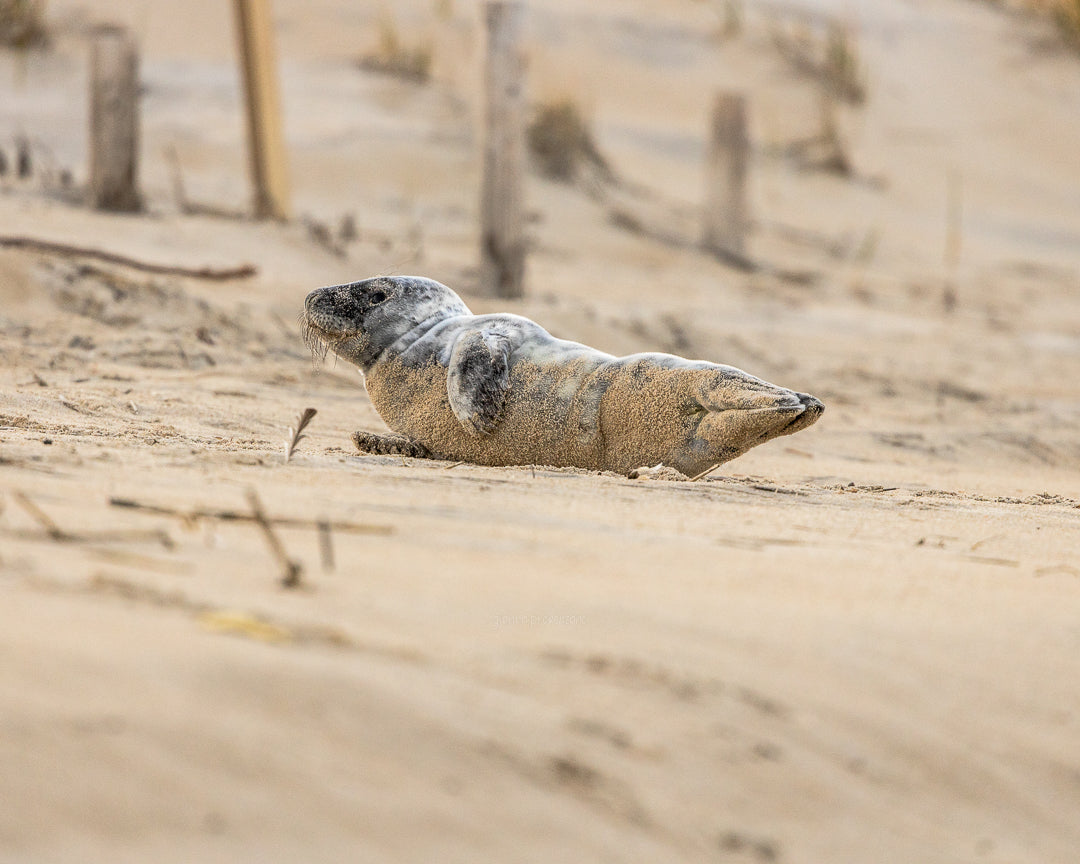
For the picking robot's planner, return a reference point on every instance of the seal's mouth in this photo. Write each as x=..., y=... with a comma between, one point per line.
x=318, y=340
x=326, y=326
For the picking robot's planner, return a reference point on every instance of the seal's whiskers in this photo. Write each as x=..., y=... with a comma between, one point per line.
x=318, y=342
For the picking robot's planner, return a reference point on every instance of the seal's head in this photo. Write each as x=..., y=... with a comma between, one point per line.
x=360, y=320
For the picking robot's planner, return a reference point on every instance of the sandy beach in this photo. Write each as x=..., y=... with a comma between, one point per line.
x=857, y=644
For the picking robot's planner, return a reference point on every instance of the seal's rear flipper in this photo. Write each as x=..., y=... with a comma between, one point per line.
x=390, y=445
x=732, y=390
x=478, y=378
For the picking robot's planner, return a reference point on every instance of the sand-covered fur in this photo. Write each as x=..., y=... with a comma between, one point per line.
x=500, y=390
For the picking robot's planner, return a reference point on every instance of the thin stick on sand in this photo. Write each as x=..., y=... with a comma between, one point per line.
x=40, y=516
x=59, y=535
x=238, y=516
x=706, y=472
x=290, y=576
x=244, y=271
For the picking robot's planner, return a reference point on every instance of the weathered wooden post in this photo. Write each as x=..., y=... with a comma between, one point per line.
x=726, y=212
x=502, y=222
x=266, y=145
x=114, y=121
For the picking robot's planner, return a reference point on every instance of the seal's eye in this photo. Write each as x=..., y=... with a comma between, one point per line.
x=377, y=297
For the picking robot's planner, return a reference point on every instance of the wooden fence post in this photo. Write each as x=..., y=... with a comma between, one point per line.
x=114, y=121
x=266, y=146
x=726, y=211
x=502, y=222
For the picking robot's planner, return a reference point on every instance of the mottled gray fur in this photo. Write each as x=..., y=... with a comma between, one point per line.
x=499, y=389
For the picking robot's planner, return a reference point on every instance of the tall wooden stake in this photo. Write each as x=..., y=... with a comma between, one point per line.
x=726, y=211
x=114, y=121
x=266, y=146
x=502, y=223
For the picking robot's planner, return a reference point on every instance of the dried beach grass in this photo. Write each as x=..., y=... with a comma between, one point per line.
x=394, y=57
x=22, y=23
x=1067, y=14
x=561, y=143
x=296, y=431
x=1064, y=13
x=831, y=58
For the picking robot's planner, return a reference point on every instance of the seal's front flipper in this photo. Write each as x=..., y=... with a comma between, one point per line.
x=390, y=445
x=478, y=379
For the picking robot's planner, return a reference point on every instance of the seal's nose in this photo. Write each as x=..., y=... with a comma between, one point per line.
x=812, y=404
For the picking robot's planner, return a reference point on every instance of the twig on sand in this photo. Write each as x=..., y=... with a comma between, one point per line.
x=706, y=472
x=40, y=516
x=237, y=516
x=244, y=271
x=59, y=535
x=290, y=575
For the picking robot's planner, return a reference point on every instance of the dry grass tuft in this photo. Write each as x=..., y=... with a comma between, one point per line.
x=22, y=23
x=842, y=68
x=395, y=57
x=1064, y=13
x=831, y=58
x=561, y=144
x=296, y=431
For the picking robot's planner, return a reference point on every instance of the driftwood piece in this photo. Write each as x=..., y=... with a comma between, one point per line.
x=244, y=271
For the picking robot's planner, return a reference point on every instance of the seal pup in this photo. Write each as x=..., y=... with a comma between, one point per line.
x=500, y=390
